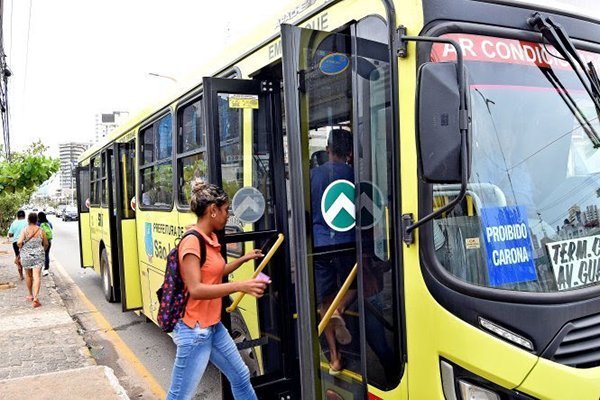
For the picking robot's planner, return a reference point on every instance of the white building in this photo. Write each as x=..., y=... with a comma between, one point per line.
x=105, y=123
x=69, y=153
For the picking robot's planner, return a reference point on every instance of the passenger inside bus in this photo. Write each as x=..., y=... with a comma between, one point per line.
x=331, y=268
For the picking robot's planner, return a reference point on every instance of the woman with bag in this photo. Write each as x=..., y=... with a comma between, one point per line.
x=32, y=244
x=47, y=228
x=199, y=335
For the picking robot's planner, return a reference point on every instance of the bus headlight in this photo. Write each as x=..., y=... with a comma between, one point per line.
x=461, y=384
x=468, y=391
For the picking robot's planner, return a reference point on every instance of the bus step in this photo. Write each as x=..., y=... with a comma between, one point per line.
x=246, y=344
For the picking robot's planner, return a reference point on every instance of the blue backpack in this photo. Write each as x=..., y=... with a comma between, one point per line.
x=172, y=295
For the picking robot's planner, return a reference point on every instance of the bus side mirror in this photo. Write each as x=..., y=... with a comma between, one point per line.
x=440, y=122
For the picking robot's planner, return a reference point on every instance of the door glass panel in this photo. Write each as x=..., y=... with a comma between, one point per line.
x=84, y=189
x=127, y=173
x=346, y=136
x=246, y=167
x=374, y=158
x=329, y=147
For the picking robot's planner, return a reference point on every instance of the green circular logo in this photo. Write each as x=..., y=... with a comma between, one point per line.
x=337, y=205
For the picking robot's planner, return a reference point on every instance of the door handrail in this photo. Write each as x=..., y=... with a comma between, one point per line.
x=258, y=270
x=338, y=298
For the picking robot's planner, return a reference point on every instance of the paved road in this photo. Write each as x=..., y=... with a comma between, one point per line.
x=151, y=346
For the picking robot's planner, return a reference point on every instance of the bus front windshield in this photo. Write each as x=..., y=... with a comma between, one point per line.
x=530, y=220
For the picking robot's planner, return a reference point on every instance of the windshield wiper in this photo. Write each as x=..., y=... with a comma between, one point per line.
x=571, y=105
x=558, y=38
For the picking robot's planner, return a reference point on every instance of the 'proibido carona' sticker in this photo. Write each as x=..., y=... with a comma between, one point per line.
x=508, y=245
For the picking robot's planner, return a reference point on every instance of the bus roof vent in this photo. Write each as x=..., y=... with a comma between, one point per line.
x=577, y=344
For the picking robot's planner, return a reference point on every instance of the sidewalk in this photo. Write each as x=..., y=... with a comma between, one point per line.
x=42, y=355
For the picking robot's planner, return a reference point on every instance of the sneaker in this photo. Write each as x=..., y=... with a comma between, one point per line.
x=45, y=272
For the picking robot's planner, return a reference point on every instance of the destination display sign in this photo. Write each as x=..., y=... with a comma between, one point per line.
x=511, y=51
x=575, y=262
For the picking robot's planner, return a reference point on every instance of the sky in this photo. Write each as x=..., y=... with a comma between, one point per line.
x=72, y=59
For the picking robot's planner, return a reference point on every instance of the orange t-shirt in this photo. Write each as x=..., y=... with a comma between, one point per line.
x=204, y=312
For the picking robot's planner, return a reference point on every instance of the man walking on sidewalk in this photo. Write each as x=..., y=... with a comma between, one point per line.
x=13, y=234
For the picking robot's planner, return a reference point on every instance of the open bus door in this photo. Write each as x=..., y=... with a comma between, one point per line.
x=343, y=213
x=126, y=235
x=243, y=122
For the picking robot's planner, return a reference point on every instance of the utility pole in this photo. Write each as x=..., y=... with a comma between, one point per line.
x=4, y=75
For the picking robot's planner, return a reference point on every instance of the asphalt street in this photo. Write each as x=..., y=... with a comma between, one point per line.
x=153, y=348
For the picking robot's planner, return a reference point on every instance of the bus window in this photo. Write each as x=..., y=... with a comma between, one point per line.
x=157, y=172
x=103, y=182
x=95, y=181
x=191, y=150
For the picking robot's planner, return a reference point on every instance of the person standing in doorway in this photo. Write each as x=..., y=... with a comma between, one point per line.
x=13, y=234
x=199, y=335
x=32, y=244
x=335, y=249
x=47, y=228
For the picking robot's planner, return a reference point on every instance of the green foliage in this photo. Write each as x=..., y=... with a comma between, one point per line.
x=9, y=205
x=20, y=177
x=26, y=170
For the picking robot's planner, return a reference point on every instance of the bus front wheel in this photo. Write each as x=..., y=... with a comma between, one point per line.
x=107, y=286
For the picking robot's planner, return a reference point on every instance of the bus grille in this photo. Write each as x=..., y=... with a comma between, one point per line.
x=580, y=347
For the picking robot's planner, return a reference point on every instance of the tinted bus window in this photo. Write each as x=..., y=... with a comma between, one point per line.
x=191, y=159
x=147, y=148
x=165, y=140
x=156, y=173
x=95, y=181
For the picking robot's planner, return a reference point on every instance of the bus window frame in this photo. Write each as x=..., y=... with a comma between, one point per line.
x=180, y=156
x=153, y=123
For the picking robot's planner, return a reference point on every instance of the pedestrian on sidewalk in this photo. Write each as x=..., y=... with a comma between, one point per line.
x=13, y=234
x=32, y=244
x=200, y=336
x=47, y=228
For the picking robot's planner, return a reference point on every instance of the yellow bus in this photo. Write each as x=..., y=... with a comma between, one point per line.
x=474, y=229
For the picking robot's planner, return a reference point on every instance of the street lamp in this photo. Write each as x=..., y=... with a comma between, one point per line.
x=162, y=76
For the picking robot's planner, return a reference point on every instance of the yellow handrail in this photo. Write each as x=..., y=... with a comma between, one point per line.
x=338, y=298
x=262, y=265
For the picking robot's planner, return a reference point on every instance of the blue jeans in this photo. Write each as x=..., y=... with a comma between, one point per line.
x=195, y=347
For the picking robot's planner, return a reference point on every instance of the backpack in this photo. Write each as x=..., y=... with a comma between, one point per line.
x=47, y=230
x=172, y=296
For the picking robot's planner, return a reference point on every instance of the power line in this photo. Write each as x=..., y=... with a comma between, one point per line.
x=27, y=48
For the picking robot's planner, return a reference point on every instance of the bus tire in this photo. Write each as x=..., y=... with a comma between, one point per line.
x=240, y=333
x=107, y=286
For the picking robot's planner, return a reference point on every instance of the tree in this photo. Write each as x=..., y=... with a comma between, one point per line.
x=20, y=177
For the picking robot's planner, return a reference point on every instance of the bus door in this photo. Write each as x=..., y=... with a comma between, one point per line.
x=338, y=123
x=243, y=121
x=83, y=209
x=129, y=269
x=110, y=265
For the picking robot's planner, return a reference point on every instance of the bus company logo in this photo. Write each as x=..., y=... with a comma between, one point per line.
x=148, y=241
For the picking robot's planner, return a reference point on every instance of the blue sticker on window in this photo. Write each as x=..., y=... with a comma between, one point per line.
x=333, y=64
x=508, y=245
